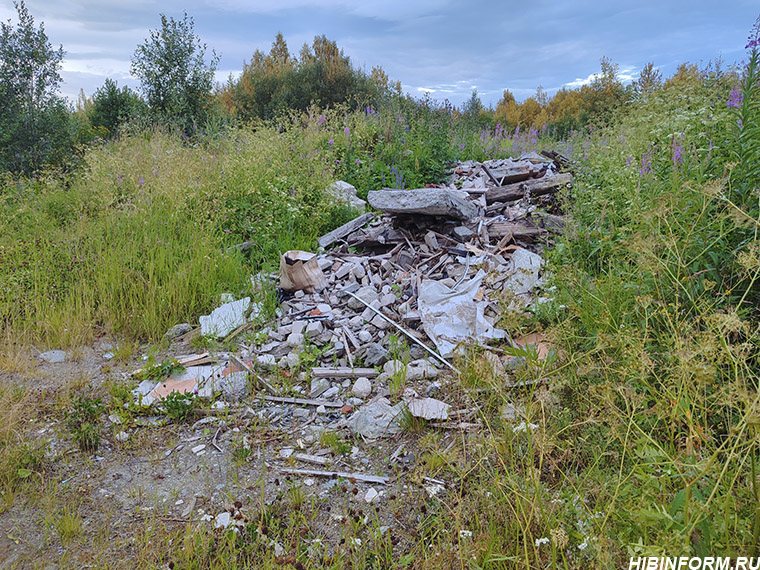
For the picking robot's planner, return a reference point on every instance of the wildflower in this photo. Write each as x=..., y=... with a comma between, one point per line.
x=331, y=142
x=370, y=111
x=357, y=162
x=542, y=540
x=522, y=426
x=465, y=534
x=583, y=545
x=735, y=99
x=646, y=164
x=321, y=120
x=628, y=161
x=753, y=41
x=461, y=146
x=140, y=181
x=347, y=131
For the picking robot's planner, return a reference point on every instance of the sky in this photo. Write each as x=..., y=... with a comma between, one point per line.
x=446, y=48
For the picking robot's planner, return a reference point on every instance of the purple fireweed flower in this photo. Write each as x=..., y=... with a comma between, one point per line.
x=357, y=161
x=676, y=151
x=646, y=164
x=628, y=161
x=140, y=181
x=735, y=99
x=753, y=40
x=461, y=146
x=321, y=120
x=347, y=131
x=370, y=111
x=331, y=142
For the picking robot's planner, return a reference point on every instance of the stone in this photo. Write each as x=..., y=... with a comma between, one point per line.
x=345, y=192
x=318, y=387
x=426, y=201
x=177, y=331
x=371, y=495
x=393, y=367
x=122, y=436
x=234, y=387
x=298, y=326
x=54, y=356
x=313, y=329
x=223, y=520
x=364, y=336
x=295, y=340
x=368, y=294
x=266, y=362
x=379, y=322
x=344, y=270
x=428, y=408
x=418, y=369
x=293, y=359
x=330, y=392
x=359, y=271
x=374, y=354
x=388, y=299
x=432, y=241
x=376, y=419
x=362, y=387
x=463, y=233
x=225, y=319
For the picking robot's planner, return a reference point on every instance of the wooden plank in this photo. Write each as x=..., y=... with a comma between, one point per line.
x=258, y=379
x=341, y=474
x=343, y=372
x=345, y=229
x=501, y=229
x=537, y=187
x=302, y=401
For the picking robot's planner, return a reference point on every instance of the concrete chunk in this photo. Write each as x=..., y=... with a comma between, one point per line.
x=426, y=201
x=225, y=319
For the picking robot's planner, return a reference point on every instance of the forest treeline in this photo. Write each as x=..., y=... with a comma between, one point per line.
x=40, y=129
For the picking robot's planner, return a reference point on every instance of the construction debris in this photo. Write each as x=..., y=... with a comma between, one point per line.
x=435, y=268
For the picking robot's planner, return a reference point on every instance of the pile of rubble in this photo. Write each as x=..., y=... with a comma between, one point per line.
x=436, y=267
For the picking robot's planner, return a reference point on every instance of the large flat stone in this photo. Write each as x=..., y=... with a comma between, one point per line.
x=424, y=201
x=225, y=319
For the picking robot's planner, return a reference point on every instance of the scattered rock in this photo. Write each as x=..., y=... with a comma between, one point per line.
x=376, y=419
x=362, y=388
x=428, y=408
x=177, y=331
x=54, y=356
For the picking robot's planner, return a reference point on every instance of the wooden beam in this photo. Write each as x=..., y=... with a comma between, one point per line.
x=537, y=187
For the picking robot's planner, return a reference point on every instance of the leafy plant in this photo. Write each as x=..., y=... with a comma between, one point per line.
x=178, y=405
x=161, y=371
x=83, y=420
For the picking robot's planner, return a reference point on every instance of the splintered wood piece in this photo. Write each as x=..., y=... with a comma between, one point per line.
x=502, y=229
x=343, y=372
x=302, y=401
x=537, y=187
x=341, y=474
x=344, y=230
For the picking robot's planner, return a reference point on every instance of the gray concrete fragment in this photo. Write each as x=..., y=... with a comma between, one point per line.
x=318, y=387
x=374, y=354
x=233, y=387
x=177, y=331
x=54, y=356
x=367, y=294
x=425, y=201
x=376, y=419
x=225, y=319
x=362, y=387
x=428, y=408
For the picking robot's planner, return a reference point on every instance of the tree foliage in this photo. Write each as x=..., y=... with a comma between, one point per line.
x=321, y=74
x=35, y=125
x=111, y=106
x=175, y=77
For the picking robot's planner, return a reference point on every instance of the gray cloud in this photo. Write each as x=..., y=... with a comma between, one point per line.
x=444, y=46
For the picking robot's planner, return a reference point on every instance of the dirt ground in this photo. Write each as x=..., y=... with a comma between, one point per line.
x=104, y=508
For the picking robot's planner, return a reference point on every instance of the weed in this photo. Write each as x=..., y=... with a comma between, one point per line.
x=161, y=371
x=179, y=406
x=83, y=420
x=335, y=442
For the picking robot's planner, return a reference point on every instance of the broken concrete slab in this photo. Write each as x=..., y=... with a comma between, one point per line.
x=428, y=408
x=424, y=201
x=53, y=356
x=376, y=419
x=225, y=319
x=346, y=193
